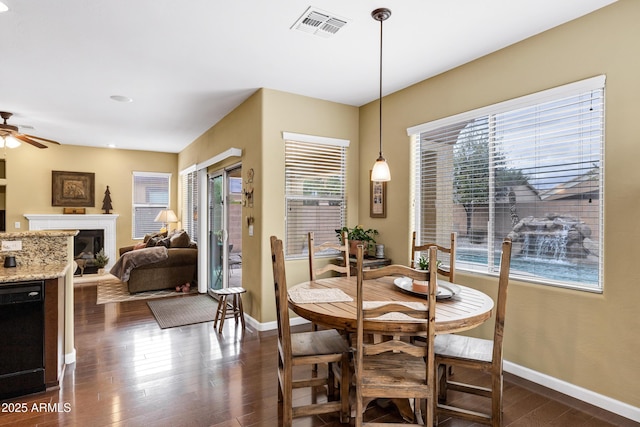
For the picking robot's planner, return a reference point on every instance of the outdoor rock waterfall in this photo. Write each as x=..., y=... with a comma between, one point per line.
x=554, y=237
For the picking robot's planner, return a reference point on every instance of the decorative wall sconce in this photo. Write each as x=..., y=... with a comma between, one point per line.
x=248, y=189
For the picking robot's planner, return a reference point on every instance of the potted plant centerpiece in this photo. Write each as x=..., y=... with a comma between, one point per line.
x=423, y=264
x=358, y=236
x=101, y=261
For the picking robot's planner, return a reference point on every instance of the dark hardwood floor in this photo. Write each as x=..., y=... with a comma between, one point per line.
x=129, y=372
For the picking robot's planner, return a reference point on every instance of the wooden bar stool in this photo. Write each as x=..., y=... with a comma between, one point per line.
x=235, y=305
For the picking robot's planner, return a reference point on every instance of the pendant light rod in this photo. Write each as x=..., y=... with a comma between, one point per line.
x=380, y=15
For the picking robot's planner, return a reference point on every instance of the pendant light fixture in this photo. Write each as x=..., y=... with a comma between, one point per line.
x=380, y=171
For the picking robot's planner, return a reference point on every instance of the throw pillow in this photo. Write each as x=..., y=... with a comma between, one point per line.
x=140, y=245
x=180, y=240
x=150, y=236
x=166, y=242
x=153, y=241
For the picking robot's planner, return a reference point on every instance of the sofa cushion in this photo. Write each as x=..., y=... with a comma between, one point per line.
x=180, y=240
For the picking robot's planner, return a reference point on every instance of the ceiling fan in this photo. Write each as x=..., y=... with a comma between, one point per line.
x=11, y=135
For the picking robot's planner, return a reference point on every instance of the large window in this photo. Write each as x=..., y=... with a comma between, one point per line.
x=190, y=203
x=529, y=169
x=150, y=196
x=315, y=171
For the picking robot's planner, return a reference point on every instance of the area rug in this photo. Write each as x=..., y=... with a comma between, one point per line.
x=173, y=312
x=110, y=289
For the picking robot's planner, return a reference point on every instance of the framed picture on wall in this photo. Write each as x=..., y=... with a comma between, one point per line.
x=72, y=188
x=378, y=198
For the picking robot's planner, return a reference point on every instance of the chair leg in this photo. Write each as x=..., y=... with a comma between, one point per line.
x=442, y=378
x=496, y=399
x=240, y=310
x=345, y=385
x=218, y=311
x=223, y=301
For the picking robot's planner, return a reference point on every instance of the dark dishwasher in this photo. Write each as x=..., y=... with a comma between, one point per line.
x=21, y=338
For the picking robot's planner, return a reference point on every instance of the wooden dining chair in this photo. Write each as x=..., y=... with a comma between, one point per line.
x=343, y=249
x=450, y=251
x=478, y=354
x=305, y=349
x=396, y=368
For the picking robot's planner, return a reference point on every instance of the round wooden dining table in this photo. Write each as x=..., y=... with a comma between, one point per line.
x=465, y=310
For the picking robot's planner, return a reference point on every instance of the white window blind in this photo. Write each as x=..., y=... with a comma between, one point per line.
x=314, y=192
x=530, y=169
x=150, y=196
x=190, y=204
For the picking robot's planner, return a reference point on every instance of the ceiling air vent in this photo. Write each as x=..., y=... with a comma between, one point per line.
x=318, y=22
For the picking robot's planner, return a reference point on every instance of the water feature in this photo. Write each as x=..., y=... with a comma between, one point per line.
x=553, y=237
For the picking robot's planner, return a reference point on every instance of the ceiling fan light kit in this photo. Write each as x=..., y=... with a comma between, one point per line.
x=11, y=135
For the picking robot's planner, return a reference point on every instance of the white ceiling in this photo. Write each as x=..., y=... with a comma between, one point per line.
x=188, y=63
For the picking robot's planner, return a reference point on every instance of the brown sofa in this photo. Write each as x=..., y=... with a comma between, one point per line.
x=179, y=267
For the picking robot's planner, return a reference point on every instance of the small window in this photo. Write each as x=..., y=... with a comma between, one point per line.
x=315, y=180
x=150, y=196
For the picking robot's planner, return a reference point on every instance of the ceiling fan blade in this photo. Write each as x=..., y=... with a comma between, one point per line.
x=23, y=138
x=42, y=139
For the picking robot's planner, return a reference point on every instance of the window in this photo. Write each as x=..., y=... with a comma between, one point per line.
x=315, y=171
x=190, y=203
x=150, y=196
x=530, y=169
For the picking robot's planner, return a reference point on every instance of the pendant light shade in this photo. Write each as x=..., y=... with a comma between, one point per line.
x=380, y=171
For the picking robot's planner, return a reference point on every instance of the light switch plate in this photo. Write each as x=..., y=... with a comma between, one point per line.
x=11, y=245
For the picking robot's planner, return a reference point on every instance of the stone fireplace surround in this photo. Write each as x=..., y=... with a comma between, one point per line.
x=106, y=222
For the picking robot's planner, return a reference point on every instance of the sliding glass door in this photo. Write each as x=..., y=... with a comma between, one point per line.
x=225, y=228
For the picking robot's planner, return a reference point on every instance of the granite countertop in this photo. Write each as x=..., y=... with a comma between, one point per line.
x=32, y=272
x=38, y=233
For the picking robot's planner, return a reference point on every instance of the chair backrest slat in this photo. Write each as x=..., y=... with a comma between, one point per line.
x=314, y=270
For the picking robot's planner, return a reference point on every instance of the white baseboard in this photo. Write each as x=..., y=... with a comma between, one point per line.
x=70, y=357
x=268, y=326
x=588, y=396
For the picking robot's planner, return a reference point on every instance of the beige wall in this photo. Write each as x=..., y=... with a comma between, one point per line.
x=256, y=127
x=29, y=180
x=239, y=129
x=589, y=340
x=285, y=112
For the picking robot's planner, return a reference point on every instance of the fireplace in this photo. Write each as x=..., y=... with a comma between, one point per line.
x=86, y=244
x=104, y=222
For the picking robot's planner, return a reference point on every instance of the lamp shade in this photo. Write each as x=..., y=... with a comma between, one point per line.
x=380, y=171
x=165, y=216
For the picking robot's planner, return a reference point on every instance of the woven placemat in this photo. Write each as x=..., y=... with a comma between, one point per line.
x=310, y=296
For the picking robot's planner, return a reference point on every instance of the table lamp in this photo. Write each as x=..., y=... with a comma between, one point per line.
x=166, y=216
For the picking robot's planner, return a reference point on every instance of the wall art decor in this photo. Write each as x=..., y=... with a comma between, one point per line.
x=72, y=188
x=378, y=199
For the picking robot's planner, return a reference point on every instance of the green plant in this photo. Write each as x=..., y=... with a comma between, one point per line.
x=101, y=259
x=423, y=263
x=358, y=233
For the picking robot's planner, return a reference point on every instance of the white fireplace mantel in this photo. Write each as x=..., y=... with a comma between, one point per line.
x=106, y=222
